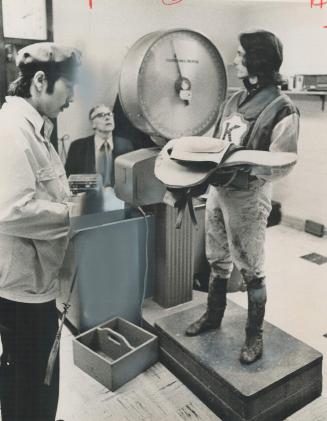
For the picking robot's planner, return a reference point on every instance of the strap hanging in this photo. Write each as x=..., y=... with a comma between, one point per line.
x=187, y=200
x=55, y=347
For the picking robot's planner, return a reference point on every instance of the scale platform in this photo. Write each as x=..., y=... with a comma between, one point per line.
x=288, y=376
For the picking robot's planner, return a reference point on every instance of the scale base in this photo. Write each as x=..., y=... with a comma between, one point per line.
x=288, y=376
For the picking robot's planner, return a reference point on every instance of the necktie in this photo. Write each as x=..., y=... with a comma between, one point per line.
x=105, y=163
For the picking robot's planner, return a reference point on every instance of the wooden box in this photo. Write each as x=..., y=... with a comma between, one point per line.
x=115, y=352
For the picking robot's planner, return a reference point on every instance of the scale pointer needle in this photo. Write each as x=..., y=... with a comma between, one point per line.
x=176, y=60
x=182, y=84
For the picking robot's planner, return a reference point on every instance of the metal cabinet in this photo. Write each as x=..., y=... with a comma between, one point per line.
x=111, y=250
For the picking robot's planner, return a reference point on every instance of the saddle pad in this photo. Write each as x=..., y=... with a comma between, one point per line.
x=181, y=165
x=213, y=150
x=200, y=144
x=174, y=174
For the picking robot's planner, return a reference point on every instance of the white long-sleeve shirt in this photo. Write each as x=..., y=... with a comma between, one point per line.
x=34, y=208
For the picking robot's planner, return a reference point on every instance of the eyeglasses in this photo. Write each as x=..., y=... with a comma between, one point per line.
x=102, y=115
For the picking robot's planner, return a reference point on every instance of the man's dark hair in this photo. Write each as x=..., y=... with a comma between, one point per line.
x=52, y=70
x=263, y=56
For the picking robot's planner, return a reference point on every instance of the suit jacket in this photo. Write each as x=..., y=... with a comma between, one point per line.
x=81, y=154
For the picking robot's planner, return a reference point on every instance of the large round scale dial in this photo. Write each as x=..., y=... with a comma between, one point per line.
x=172, y=84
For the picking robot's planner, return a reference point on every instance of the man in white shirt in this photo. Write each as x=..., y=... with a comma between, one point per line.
x=34, y=227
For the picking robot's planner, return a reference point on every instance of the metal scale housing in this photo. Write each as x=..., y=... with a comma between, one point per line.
x=172, y=84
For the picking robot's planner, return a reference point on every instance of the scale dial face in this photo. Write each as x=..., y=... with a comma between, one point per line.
x=181, y=84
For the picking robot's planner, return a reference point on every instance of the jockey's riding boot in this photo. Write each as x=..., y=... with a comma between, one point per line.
x=253, y=346
x=216, y=305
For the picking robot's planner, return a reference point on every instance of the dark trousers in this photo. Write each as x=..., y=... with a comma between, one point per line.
x=27, y=334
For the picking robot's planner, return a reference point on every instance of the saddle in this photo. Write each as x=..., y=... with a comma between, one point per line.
x=188, y=165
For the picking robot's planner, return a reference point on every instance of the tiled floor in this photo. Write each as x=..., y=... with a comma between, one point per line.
x=297, y=294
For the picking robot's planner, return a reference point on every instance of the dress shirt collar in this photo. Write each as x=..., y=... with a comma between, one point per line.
x=98, y=141
x=23, y=107
x=43, y=125
x=47, y=128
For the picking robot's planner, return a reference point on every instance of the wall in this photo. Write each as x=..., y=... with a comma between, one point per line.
x=106, y=32
x=298, y=26
x=303, y=193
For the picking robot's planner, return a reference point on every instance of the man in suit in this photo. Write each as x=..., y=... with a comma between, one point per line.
x=97, y=153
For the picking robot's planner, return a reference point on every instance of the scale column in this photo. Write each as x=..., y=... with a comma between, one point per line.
x=174, y=257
